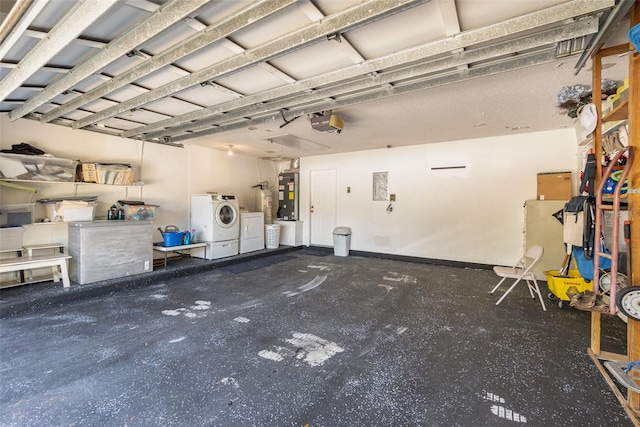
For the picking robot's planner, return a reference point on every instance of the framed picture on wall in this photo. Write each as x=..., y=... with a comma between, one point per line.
x=380, y=186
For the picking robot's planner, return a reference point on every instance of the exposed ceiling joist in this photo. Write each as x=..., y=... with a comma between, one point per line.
x=427, y=70
x=161, y=19
x=205, y=37
x=276, y=72
x=61, y=70
x=81, y=15
x=438, y=47
x=80, y=40
x=311, y=10
x=449, y=15
x=311, y=33
x=145, y=5
x=232, y=72
x=348, y=50
x=18, y=20
x=455, y=77
x=232, y=46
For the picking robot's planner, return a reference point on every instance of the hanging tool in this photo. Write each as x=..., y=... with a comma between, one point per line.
x=564, y=268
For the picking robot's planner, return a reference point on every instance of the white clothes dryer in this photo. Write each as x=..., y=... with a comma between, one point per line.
x=216, y=219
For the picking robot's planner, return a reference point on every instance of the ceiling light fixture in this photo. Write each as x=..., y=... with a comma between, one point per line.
x=230, y=152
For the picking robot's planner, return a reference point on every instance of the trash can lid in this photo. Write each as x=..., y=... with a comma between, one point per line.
x=343, y=231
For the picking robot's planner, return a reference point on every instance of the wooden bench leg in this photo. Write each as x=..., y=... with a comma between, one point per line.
x=64, y=272
x=56, y=273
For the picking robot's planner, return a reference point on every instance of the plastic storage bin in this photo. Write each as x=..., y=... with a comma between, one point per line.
x=139, y=212
x=16, y=215
x=37, y=168
x=11, y=238
x=341, y=241
x=272, y=233
x=70, y=211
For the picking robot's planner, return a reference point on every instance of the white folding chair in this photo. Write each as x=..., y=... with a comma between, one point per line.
x=522, y=271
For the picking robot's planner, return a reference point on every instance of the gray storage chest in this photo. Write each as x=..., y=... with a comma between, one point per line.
x=103, y=250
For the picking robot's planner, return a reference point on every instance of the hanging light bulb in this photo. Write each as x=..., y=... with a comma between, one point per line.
x=230, y=152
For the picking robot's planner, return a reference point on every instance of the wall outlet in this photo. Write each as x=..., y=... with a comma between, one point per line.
x=146, y=266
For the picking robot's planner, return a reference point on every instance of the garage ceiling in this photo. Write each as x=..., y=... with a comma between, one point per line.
x=251, y=74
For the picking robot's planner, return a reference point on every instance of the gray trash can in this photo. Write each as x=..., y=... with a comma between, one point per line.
x=341, y=241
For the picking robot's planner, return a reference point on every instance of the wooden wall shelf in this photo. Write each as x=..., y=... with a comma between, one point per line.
x=621, y=112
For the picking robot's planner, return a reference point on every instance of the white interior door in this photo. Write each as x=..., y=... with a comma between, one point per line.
x=322, y=197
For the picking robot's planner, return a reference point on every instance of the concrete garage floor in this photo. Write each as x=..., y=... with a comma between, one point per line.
x=299, y=338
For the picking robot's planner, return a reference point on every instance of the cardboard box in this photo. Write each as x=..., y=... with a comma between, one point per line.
x=554, y=186
x=107, y=173
x=89, y=173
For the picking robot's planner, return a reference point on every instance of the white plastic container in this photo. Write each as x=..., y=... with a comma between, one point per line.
x=17, y=214
x=70, y=211
x=37, y=168
x=11, y=238
x=341, y=241
x=272, y=234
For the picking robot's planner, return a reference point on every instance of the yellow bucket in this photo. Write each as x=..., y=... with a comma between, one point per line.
x=572, y=282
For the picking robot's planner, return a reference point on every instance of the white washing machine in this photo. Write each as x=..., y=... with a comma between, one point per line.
x=216, y=219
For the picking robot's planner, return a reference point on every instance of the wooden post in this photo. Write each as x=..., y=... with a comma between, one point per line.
x=596, y=95
x=633, y=326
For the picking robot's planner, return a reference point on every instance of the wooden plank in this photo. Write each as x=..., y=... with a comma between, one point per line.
x=615, y=50
x=595, y=331
x=615, y=357
x=596, y=93
x=29, y=261
x=621, y=112
x=633, y=416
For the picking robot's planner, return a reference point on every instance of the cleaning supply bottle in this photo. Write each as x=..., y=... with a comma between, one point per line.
x=193, y=236
x=187, y=238
x=112, y=213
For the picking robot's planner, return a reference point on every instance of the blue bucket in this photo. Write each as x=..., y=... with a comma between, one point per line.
x=173, y=238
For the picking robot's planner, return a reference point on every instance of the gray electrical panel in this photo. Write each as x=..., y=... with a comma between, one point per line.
x=288, y=196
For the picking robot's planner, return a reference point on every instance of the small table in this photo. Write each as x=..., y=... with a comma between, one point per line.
x=165, y=249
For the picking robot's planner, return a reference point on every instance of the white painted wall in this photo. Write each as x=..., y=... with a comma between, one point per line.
x=170, y=174
x=471, y=215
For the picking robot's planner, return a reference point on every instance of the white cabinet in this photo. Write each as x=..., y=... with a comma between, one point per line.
x=290, y=232
x=541, y=228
